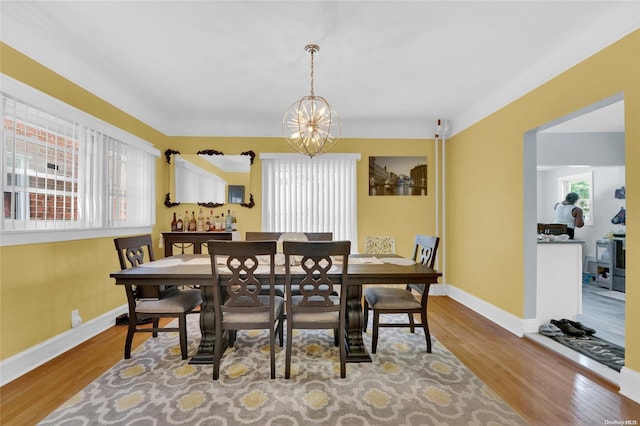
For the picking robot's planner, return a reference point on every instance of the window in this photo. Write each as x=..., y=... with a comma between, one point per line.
x=582, y=185
x=65, y=170
x=300, y=194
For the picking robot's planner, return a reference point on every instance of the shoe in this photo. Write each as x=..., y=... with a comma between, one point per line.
x=550, y=330
x=581, y=326
x=567, y=328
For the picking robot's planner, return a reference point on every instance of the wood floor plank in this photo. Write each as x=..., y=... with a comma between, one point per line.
x=542, y=386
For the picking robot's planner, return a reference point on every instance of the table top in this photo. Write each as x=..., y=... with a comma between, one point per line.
x=196, y=269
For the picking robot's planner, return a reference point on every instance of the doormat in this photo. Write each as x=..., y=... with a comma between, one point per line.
x=604, y=352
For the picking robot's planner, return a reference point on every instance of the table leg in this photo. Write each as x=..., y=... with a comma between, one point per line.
x=207, y=328
x=356, y=351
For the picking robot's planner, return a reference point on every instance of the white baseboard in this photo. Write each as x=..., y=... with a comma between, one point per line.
x=502, y=318
x=628, y=380
x=630, y=384
x=20, y=364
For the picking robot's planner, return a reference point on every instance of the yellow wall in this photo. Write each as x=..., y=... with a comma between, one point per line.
x=41, y=283
x=401, y=217
x=484, y=176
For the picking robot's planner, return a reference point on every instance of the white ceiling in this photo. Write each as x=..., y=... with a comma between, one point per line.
x=389, y=68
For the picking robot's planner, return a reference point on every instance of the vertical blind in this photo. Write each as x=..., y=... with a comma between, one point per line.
x=300, y=194
x=66, y=172
x=194, y=184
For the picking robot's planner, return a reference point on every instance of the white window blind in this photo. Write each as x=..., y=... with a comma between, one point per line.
x=194, y=184
x=300, y=194
x=65, y=170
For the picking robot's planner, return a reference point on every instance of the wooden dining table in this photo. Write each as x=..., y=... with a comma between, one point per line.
x=195, y=270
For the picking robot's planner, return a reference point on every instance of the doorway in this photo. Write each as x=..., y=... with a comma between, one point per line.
x=565, y=147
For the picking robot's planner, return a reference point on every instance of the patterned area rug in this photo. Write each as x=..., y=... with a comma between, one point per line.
x=604, y=352
x=404, y=385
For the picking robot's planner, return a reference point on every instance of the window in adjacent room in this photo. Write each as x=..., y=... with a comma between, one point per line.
x=581, y=184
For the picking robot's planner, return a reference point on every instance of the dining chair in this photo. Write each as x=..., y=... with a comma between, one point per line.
x=322, y=265
x=393, y=300
x=280, y=237
x=150, y=302
x=379, y=245
x=240, y=275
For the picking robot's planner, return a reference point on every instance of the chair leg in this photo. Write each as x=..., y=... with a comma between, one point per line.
x=156, y=324
x=343, y=353
x=280, y=329
x=374, y=339
x=336, y=337
x=272, y=350
x=425, y=327
x=365, y=314
x=218, y=350
x=287, y=365
x=412, y=326
x=130, y=332
x=182, y=325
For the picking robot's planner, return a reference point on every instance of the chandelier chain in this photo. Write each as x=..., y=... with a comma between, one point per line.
x=312, y=52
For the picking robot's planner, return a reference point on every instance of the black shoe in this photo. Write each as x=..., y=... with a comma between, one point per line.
x=567, y=328
x=580, y=326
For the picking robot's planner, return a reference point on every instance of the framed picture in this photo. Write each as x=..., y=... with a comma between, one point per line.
x=397, y=175
x=236, y=194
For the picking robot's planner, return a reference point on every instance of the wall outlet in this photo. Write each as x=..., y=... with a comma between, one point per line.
x=76, y=319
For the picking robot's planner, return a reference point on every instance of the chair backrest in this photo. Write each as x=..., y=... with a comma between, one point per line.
x=320, y=273
x=274, y=236
x=243, y=280
x=426, y=248
x=132, y=251
x=552, y=228
x=379, y=245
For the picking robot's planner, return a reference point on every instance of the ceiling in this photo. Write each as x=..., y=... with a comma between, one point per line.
x=389, y=68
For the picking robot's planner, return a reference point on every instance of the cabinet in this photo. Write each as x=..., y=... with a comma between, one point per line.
x=559, y=281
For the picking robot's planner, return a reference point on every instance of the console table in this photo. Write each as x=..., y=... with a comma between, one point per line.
x=197, y=239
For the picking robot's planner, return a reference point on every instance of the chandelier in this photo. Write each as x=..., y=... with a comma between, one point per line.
x=310, y=125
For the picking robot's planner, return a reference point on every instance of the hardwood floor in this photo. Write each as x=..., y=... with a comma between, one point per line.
x=545, y=388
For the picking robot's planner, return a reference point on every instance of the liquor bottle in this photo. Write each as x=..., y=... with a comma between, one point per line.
x=200, y=222
x=222, y=222
x=180, y=224
x=234, y=222
x=174, y=223
x=186, y=225
x=229, y=222
x=216, y=223
x=193, y=224
x=212, y=223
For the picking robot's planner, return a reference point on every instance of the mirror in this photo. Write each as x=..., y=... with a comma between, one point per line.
x=209, y=178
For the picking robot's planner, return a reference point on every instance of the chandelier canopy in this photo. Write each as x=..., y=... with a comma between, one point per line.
x=310, y=125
